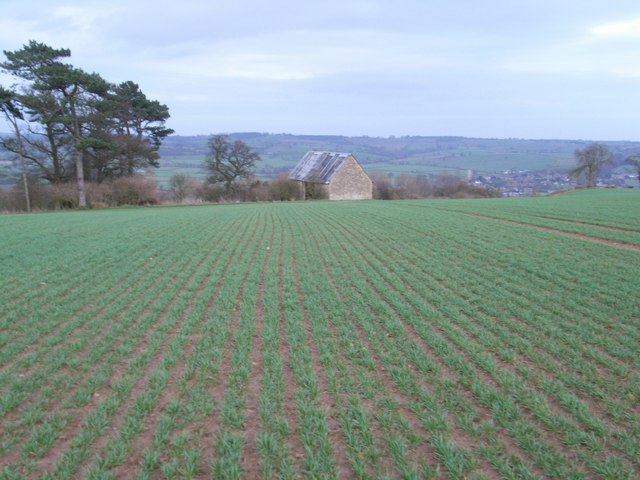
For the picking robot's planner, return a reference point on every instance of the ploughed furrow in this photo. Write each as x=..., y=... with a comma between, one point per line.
x=254, y=441
x=64, y=319
x=320, y=340
x=351, y=403
x=509, y=341
x=143, y=397
x=167, y=407
x=544, y=412
x=277, y=444
x=178, y=436
x=127, y=378
x=19, y=308
x=101, y=364
x=68, y=343
x=319, y=427
x=415, y=374
x=593, y=336
x=413, y=312
x=50, y=385
x=523, y=287
x=133, y=386
x=227, y=424
x=87, y=368
x=400, y=432
x=64, y=288
x=283, y=418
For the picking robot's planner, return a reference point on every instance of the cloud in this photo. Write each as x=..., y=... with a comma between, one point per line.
x=629, y=28
x=413, y=66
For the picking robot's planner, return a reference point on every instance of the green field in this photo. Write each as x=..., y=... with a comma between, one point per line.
x=493, y=338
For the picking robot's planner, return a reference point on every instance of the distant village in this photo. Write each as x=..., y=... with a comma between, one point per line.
x=524, y=183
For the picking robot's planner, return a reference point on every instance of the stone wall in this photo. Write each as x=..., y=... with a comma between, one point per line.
x=350, y=182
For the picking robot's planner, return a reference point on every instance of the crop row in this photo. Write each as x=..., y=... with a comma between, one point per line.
x=318, y=340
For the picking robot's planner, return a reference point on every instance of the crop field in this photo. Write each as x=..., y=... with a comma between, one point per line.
x=475, y=339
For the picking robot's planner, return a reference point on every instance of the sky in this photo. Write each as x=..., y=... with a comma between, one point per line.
x=566, y=69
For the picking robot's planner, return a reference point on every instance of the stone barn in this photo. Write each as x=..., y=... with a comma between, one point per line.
x=331, y=175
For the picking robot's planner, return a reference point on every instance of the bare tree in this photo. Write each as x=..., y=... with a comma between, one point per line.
x=9, y=106
x=181, y=184
x=229, y=162
x=589, y=162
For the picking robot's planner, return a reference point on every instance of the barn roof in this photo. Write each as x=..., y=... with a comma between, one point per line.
x=318, y=167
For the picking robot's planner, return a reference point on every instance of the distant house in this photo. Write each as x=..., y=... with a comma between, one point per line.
x=332, y=175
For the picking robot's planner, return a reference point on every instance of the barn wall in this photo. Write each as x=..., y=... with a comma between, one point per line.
x=350, y=182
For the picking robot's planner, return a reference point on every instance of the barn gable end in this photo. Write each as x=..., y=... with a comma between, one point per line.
x=338, y=176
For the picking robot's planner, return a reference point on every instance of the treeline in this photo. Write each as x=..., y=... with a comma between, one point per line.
x=71, y=126
x=144, y=190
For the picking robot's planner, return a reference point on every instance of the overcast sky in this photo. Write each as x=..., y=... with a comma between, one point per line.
x=495, y=68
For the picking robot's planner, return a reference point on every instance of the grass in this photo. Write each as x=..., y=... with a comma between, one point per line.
x=408, y=339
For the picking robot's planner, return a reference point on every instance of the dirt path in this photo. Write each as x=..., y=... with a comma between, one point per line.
x=613, y=243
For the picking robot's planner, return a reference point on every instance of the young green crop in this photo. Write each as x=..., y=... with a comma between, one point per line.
x=413, y=339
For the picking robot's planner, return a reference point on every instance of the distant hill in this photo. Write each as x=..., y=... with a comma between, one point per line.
x=416, y=155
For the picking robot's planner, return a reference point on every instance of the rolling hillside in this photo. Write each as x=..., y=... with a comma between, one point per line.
x=393, y=155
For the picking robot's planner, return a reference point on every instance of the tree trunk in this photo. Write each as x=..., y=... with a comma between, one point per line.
x=82, y=197
x=23, y=168
x=77, y=154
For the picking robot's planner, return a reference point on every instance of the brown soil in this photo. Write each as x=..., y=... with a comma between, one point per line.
x=49, y=460
x=290, y=384
x=211, y=428
x=339, y=449
x=250, y=467
x=170, y=392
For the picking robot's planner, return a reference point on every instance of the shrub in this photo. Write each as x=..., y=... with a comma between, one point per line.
x=282, y=189
x=181, y=185
x=133, y=191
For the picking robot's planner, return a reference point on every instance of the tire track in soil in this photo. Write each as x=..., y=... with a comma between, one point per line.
x=170, y=392
x=445, y=370
x=486, y=377
x=479, y=255
x=290, y=384
x=588, y=224
x=218, y=392
x=250, y=455
x=613, y=243
x=47, y=462
x=423, y=451
x=339, y=449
